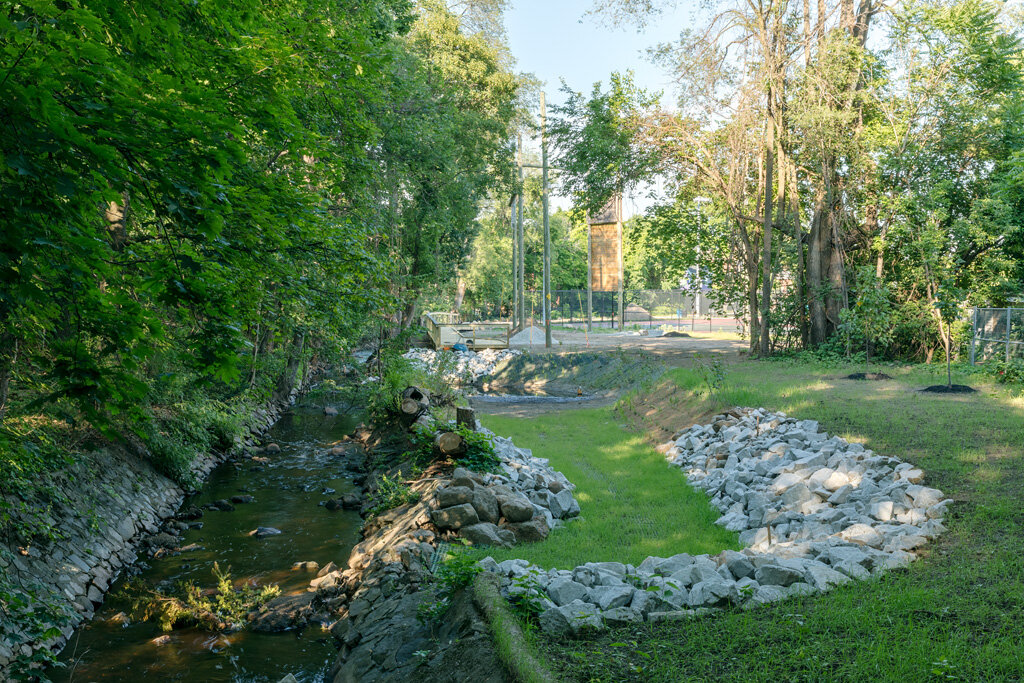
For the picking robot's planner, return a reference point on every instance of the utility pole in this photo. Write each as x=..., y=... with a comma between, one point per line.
x=515, y=261
x=622, y=273
x=522, y=241
x=590, y=282
x=547, y=226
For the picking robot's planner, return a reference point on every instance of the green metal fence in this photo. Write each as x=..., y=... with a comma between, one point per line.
x=998, y=334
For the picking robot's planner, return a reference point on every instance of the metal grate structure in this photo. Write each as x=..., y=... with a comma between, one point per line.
x=997, y=334
x=642, y=306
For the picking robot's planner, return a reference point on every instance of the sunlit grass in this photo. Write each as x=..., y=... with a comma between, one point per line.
x=956, y=614
x=632, y=504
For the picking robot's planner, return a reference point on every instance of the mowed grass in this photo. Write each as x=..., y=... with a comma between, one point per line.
x=955, y=614
x=632, y=504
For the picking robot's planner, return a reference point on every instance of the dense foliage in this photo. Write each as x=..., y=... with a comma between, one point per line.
x=202, y=199
x=194, y=192
x=487, y=277
x=832, y=166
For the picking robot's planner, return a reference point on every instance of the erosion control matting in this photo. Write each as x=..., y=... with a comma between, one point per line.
x=950, y=389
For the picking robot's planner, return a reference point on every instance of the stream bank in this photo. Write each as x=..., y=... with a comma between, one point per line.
x=114, y=504
x=284, y=490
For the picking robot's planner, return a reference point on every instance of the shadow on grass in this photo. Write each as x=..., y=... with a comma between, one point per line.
x=956, y=614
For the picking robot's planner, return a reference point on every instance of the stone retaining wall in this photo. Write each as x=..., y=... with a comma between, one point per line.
x=115, y=502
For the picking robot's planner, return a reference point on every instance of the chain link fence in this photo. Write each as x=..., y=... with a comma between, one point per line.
x=998, y=334
x=645, y=307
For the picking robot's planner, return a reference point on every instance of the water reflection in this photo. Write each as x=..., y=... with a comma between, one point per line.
x=287, y=490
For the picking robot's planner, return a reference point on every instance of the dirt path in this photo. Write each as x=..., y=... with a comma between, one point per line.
x=666, y=352
x=672, y=351
x=529, y=406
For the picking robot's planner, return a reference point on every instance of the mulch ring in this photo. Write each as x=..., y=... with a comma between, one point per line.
x=868, y=375
x=950, y=389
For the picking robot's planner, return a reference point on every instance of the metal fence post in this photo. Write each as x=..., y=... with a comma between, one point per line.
x=974, y=333
x=1008, y=313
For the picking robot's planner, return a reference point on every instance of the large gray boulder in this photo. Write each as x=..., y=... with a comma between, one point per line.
x=777, y=575
x=823, y=577
x=764, y=595
x=486, y=534
x=530, y=532
x=517, y=509
x=570, y=507
x=454, y=495
x=609, y=597
x=621, y=616
x=486, y=505
x=562, y=591
x=712, y=592
x=455, y=517
x=739, y=565
x=568, y=619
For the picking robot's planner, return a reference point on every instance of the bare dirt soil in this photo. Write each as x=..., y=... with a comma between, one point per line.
x=672, y=351
x=565, y=367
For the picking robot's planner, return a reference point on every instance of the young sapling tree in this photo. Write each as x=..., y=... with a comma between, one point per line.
x=870, y=316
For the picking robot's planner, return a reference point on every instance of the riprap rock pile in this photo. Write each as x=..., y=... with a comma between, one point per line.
x=460, y=366
x=813, y=511
x=522, y=503
x=766, y=471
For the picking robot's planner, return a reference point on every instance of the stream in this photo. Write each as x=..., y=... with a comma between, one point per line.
x=287, y=490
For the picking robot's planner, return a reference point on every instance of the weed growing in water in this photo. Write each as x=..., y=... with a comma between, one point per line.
x=223, y=609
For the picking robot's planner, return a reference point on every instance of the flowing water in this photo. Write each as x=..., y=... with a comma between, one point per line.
x=287, y=490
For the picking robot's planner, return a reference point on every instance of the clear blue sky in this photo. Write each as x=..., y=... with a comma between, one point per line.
x=553, y=39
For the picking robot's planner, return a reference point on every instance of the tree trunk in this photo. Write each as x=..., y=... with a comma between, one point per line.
x=286, y=382
x=449, y=443
x=766, y=244
x=408, y=314
x=466, y=417
x=755, y=325
x=880, y=261
x=814, y=270
x=837, y=293
x=846, y=16
x=807, y=33
x=116, y=215
x=8, y=359
x=460, y=294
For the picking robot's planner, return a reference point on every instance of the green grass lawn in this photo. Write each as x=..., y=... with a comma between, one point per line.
x=632, y=504
x=956, y=614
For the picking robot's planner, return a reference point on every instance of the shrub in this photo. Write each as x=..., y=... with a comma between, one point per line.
x=711, y=372
x=456, y=572
x=1011, y=372
x=479, y=454
x=391, y=493
x=225, y=608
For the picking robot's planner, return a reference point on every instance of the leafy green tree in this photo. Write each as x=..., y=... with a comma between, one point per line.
x=487, y=274
x=870, y=316
x=595, y=141
x=446, y=125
